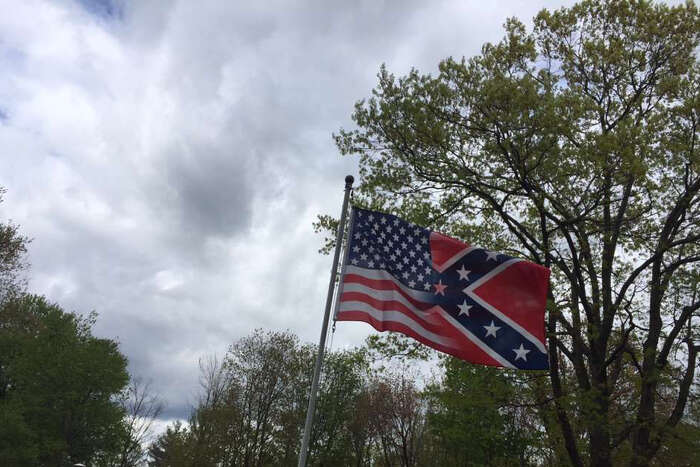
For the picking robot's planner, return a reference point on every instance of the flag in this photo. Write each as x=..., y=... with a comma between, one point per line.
x=477, y=305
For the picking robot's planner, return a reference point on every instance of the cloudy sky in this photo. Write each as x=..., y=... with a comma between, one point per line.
x=169, y=157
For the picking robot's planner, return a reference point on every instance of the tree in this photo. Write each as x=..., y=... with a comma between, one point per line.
x=59, y=386
x=471, y=417
x=397, y=417
x=13, y=248
x=171, y=448
x=575, y=146
x=252, y=408
x=141, y=408
x=336, y=427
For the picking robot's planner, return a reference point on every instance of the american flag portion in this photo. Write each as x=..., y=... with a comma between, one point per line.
x=481, y=306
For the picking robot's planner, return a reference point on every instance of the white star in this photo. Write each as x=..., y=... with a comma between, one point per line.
x=464, y=308
x=521, y=352
x=370, y=264
x=440, y=288
x=491, y=255
x=363, y=257
x=463, y=273
x=412, y=284
x=491, y=330
x=426, y=286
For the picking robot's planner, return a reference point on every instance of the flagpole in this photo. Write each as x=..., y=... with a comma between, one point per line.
x=324, y=328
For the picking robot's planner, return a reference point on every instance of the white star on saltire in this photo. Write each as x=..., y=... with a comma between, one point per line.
x=440, y=288
x=491, y=255
x=464, y=308
x=491, y=330
x=521, y=352
x=463, y=273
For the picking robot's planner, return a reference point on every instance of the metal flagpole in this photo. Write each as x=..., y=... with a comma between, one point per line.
x=324, y=329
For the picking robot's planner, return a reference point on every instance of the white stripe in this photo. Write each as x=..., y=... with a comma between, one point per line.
x=492, y=353
x=384, y=295
x=381, y=275
x=395, y=317
x=470, y=291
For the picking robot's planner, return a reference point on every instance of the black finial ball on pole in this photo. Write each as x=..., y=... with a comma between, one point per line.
x=349, y=180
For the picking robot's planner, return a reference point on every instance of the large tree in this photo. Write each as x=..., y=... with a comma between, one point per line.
x=475, y=413
x=574, y=145
x=58, y=387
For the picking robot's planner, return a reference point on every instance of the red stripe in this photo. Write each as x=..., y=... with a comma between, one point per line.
x=384, y=284
x=462, y=348
x=386, y=305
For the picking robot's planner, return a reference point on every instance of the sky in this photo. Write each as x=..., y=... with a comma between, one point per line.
x=168, y=158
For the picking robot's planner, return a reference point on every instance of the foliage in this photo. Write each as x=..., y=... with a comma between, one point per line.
x=58, y=386
x=481, y=414
x=13, y=248
x=171, y=448
x=365, y=415
x=141, y=408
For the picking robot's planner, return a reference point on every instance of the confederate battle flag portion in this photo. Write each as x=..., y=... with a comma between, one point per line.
x=477, y=305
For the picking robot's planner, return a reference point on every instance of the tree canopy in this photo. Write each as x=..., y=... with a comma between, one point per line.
x=573, y=145
x=252, y=407
x=57, y=387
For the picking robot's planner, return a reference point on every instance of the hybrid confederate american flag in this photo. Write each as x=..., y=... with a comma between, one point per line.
x=478, y=305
